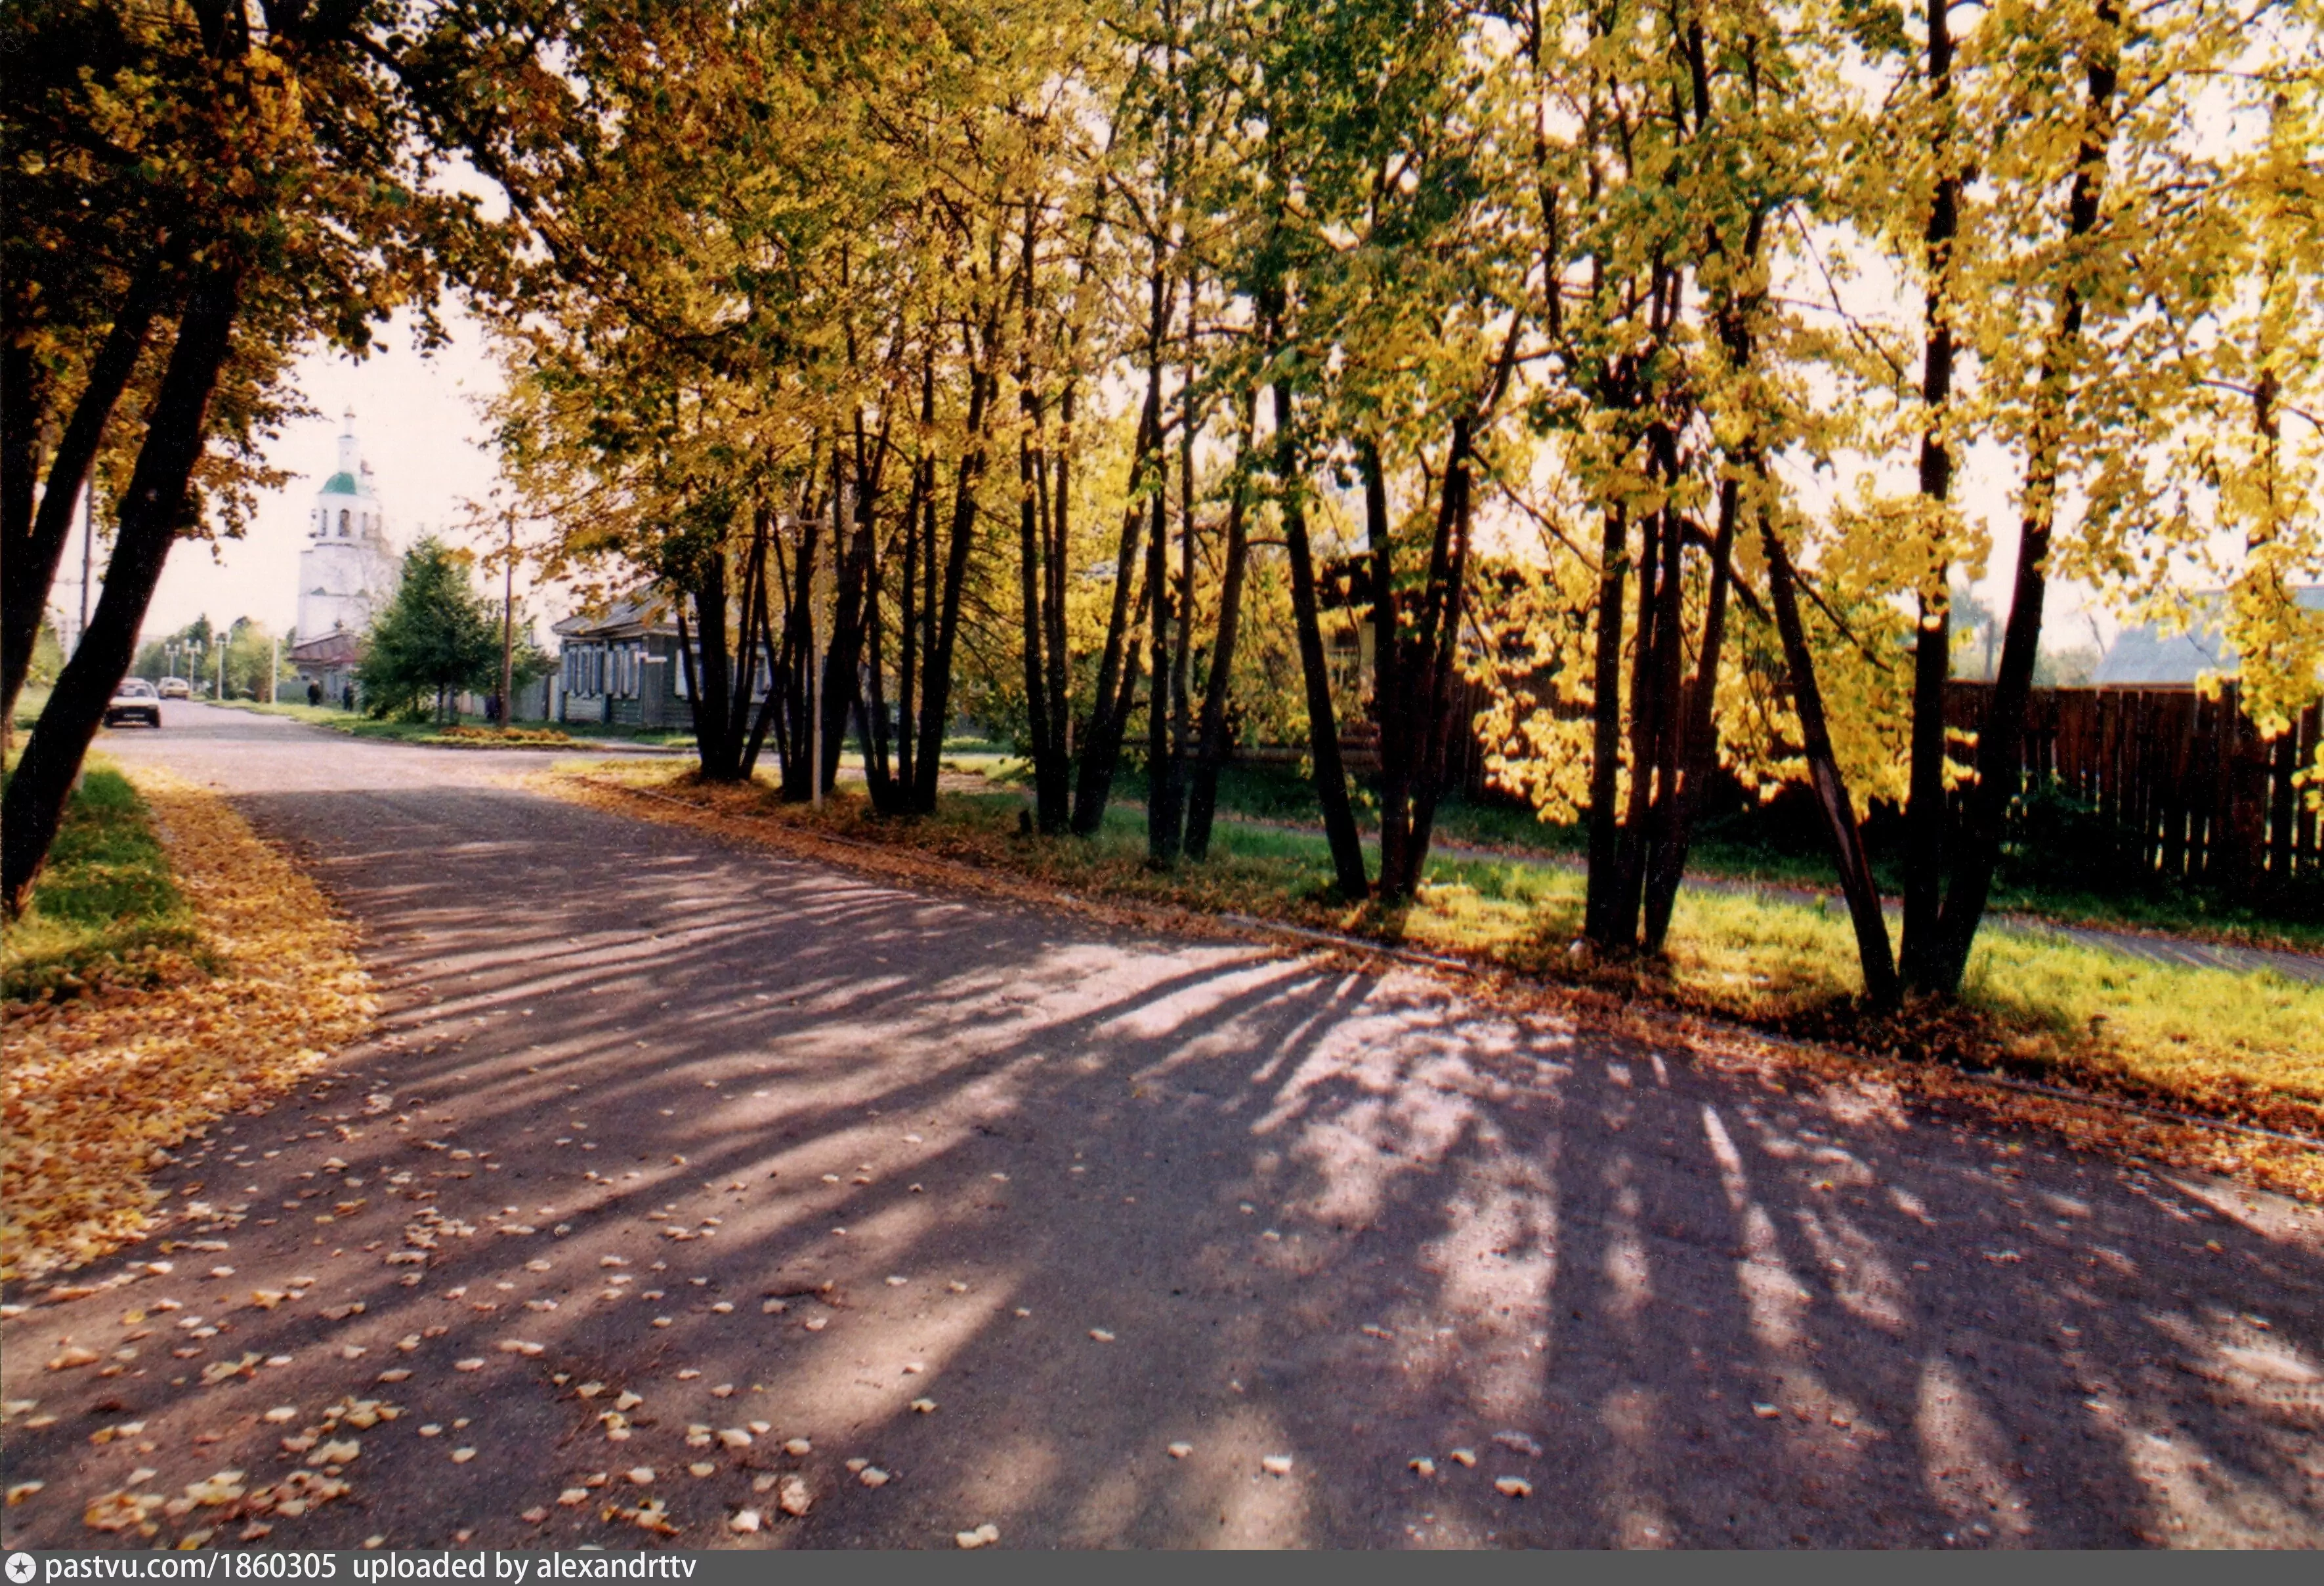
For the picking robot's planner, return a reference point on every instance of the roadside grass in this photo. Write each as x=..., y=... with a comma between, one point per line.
x=468, y=733
x=106, y=906
x=2249, y=1046
x=255, y=985
x=2057, y=870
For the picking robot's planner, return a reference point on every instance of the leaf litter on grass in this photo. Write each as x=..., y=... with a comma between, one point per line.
x=100, y=1088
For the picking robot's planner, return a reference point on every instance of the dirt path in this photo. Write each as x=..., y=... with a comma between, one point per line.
x=1090, y=1194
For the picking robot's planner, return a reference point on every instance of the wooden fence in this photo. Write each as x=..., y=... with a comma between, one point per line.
x=2189, y=786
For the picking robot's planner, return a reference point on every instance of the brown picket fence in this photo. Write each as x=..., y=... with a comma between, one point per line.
x=2187, y=784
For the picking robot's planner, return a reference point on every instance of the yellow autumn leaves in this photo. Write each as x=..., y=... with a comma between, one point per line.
x=99, y=1089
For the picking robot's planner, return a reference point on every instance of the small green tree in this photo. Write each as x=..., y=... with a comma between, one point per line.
x=436, y=638
x=252, y=661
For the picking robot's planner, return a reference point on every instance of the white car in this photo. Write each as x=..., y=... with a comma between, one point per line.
x=134, y=701
x=176, y=688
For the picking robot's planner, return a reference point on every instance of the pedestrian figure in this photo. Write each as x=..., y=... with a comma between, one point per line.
x=348, y=697
x=314, y=692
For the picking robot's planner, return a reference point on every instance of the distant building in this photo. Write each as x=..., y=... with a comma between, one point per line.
x=348, y=571
x=329, y=662
x=623, y=665
x=2151, y=656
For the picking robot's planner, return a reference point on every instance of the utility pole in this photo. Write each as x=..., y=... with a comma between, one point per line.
x=222, y=647
x=274, y=673
x=508, y=628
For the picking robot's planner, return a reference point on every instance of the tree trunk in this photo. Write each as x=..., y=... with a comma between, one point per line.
x=1163, y=810
x=843, y=678
x=1657, y=581
x=151, y=515
x=34, y=543
x=1181, y=680
x=1856, y=882
x=1439, y=647
x=2001, y=742
x=1391, y=709
x=1665, y=697
x=1322, y=723
x=713, y=702
x=1101, y=734
x=1603, y=888
x=1044, y=709
x=797, y=743
x=1698, y=749
x=936, y=705
x=1056, y=792
x=1926, y=816
x=919, y=547
x=1202, y=794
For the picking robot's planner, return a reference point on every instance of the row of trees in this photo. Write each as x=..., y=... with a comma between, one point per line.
x=1626, y=355
x=245, y=652
x=1079, y=359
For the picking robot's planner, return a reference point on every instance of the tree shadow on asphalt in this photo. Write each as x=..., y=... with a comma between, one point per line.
x=1093, y=1194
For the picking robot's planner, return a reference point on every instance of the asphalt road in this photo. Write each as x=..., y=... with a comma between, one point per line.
x=1090, y=1193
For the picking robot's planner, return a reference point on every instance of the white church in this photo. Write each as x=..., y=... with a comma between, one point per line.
x=347, y=573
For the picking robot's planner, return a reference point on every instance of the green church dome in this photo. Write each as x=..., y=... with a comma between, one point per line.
x=342, y=483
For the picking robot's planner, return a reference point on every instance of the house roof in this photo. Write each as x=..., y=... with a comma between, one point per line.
x=633, y=616
x=338, y=647
x=2154, y=655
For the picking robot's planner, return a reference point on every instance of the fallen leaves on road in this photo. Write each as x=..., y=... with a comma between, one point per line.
x=984, y=1535
x=96, y=1089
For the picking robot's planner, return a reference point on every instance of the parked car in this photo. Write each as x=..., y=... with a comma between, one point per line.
x=134, y=701
x=176, y=688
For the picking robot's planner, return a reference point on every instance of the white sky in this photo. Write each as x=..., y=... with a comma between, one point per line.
x=423, y=433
